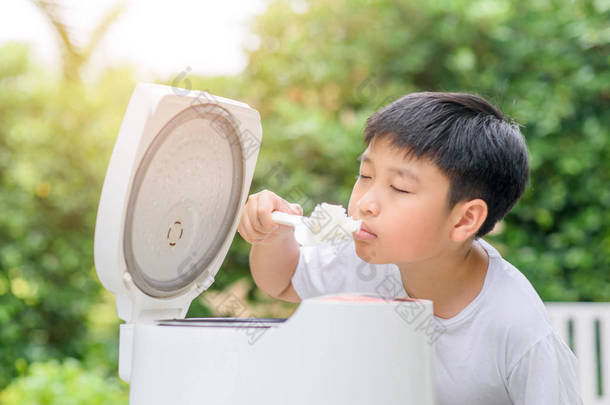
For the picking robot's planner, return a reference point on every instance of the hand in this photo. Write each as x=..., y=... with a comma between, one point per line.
x=256, y=225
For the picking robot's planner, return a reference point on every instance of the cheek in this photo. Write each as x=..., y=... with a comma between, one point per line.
x=417, y=225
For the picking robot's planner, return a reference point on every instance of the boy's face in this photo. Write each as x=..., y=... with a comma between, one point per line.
x=409, y=227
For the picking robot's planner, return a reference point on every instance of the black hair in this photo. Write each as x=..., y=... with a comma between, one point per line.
x=481, y=152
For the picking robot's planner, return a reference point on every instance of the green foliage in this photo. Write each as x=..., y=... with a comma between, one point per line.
x=55, y=141
x=322, y=70
x=67, y=383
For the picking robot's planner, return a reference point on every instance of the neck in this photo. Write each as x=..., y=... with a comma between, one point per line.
x=451, y=280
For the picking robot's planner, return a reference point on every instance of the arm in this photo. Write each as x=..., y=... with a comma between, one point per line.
x=273, y=266
x=275, y=253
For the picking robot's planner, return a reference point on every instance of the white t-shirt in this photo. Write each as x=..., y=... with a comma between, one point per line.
x=499, y=350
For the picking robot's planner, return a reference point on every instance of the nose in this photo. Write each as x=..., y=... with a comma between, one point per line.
x=367, y=204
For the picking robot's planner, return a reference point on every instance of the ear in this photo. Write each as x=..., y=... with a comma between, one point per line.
x=469, y=216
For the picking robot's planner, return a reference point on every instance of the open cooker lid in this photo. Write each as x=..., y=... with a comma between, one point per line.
x=184, y=198
x=189, y=161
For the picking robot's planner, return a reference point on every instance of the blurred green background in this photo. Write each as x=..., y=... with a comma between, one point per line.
x=321, y=69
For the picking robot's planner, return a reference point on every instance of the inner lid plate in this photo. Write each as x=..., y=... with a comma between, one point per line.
x=184, y=200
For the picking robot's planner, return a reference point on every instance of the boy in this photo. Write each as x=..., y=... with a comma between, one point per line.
x=439, y=171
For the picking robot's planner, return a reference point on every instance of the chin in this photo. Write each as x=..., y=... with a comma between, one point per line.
x=367, y=253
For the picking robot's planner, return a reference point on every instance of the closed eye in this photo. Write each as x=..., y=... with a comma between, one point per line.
x=401, y=191
x=394, y=188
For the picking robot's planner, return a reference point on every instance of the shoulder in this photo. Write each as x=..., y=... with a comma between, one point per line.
x=517, y=312
x=538, y=364
x=510, y=293
x=546, y=373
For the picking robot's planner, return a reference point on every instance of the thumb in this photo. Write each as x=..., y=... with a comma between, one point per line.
x=283, y=205
x=296, y=208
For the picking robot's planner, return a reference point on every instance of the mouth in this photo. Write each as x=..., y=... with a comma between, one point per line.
x=364, y=233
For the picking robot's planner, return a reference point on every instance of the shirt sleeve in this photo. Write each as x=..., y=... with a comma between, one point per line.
x=545, y=375
x=321, y=270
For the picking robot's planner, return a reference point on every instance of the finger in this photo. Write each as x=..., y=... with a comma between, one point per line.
x=250, y=235
x=251, y=211
x=241, y=230
x=254, y=216
x=241, y=226
x=266, y=205
x=297, y=208
x=282, y=205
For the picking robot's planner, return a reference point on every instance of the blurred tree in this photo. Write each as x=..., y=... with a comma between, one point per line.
x=53, y=383
x=53, y=135
x=75, y=56
x=324, y=66
x=55, y=142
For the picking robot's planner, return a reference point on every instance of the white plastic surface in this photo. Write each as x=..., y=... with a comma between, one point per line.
x=150, y=109
x=330, y=352
x=126, y=342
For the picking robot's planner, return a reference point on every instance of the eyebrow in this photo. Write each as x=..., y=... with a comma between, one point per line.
x=400, y=171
